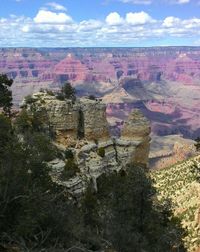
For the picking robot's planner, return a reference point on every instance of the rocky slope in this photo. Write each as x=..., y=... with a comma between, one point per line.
x=174, y=149
x=181, y=185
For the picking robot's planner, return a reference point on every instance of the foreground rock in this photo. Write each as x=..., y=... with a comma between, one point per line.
x=81, y=128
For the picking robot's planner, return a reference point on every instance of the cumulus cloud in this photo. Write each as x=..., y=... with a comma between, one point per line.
x=138, y=18
x=56, y=28
x=56, y=6
x=171, y=21
x=114, y=19
x=47, y=17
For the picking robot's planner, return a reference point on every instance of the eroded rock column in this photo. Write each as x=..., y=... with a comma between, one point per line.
x=133, y=145
x=95, y=123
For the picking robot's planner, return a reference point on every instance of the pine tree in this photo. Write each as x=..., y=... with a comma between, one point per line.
x=68, y=91
x=5, y=93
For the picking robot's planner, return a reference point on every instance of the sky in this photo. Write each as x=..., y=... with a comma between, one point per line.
x=99, y=23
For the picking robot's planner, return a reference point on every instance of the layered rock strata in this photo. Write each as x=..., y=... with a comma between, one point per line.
x=135, y=133
x=82, y=128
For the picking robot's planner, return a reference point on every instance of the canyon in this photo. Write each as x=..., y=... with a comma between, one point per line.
x=163, y=82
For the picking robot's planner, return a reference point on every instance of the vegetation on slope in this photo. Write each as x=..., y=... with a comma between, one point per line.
x=37, y=215
x=181, y=184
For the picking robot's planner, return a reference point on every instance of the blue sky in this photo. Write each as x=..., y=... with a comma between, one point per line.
x=66, y=23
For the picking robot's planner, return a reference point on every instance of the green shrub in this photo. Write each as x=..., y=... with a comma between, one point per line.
x=96, y=141
x=29, y=99
x=5, y=133
x=50, y=92
x=5, y=94
x=197, y=144
x=101, y=152
x=68, y=91
x=70, y=170
x=29, y=122
x=92, y=97
x=23, y=122
x=69, y=154
x=60, y=97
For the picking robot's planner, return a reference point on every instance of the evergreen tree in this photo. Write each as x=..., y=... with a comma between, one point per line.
x=197, y=144
x=68, y=91
x=133, y=221
x=34, y=211
x=5, y=93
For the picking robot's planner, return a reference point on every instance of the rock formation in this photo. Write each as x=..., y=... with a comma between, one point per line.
x=136, y=127
x=82, y=127
x=86, y=118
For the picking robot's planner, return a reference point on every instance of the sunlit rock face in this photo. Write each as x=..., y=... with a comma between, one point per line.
x=94, y=116
x=84, y=118
x=69, y=69
x=135, y=130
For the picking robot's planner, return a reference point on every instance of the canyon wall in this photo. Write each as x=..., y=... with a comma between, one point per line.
x=165, y=81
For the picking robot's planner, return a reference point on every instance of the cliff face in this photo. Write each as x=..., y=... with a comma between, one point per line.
x=82, y=127
x=94, y=119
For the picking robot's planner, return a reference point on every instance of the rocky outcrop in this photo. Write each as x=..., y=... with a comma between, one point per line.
x=94, y=116
x=136, y=125
x=133, y=146
x=85, y=118
x=82, y=128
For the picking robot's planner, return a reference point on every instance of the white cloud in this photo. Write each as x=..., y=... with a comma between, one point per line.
x=181, y=1
x=48, y=17
x=114, y=19
x=58, y=29
x=171, y=21
x=177, y=23
x=90, y=25
x=25, y=28
x=137, y=1
x=56, y=6
x=138, y=18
